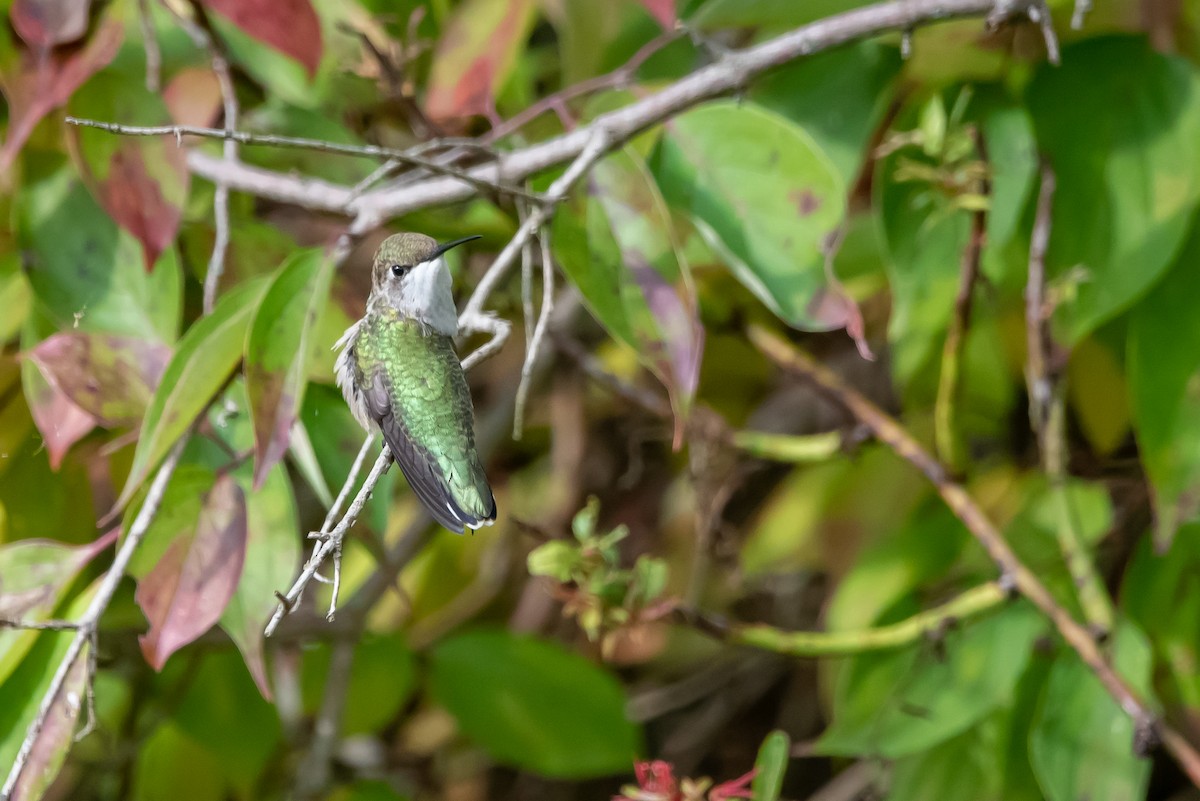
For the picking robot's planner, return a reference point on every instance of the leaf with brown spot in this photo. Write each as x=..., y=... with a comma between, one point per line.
x=110, y=377
x=278, y=351
x=289, y=26
x=475, y=55
x=47, y=23
x=663, y=12
x=142, y=182
x=34, y=576
x=186, y=592
x=45, y=80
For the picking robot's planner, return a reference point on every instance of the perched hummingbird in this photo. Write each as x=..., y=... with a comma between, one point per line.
x=399, y=372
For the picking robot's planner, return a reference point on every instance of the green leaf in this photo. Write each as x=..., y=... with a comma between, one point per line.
x=1164, y=390
x=171, y=764
x=34, y=576
x=772, y=762
x=533, y=705
x=901, y=703
x=556, y=559
x=22, y=694
x=1126, y=190
x=838, y=97
x=383, y=676
x=86, y=272
x=631, y=274
x=1081, y=741
x=964, y=768
x=764, y=196
x=277, y=353
x=207, y=354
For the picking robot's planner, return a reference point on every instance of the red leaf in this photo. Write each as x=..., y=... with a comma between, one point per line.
x=135, y=200
x=186, y=592
x=60, y=422
x=475, y=55
x=662, y=10
x=46, y=80
x=109, y=377
x=46, y=23
x=289, y=26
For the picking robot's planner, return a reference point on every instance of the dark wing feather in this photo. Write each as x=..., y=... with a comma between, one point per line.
x=419, y=467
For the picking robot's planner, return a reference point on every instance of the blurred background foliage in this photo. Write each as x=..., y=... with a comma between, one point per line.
x=844, y=199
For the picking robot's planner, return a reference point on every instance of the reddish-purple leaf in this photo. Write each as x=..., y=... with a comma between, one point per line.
x=140, y=181
x=475, y=55
x=60, y=422
x=289, y=26
x=46, y=80
x=58, y=732
x=108, y=376
x=47, y=23
x=662, y=10
x=186, y=592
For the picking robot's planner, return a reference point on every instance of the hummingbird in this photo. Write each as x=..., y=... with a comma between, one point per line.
x=400, y=375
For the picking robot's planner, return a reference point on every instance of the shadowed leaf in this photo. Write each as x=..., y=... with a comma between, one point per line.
x=34, y=575
x=46, y=23
x=109, y=377
x=207, y=354
x=141, y=181
x=186, y=592
x=475, y=55
x=289, y=26
x=278, y=352
x=45, y=80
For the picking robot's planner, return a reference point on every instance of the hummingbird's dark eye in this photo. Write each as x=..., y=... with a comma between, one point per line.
x=399, y=270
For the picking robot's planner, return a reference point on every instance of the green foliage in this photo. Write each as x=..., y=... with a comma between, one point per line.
x=839, y=198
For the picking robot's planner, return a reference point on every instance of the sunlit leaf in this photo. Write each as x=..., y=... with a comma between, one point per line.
x=772, y=762
x=206, y=355
x=1127, y=190
x=767, y=200
x=186, y=592
x=193, y=97
x=531, y=704
x=141, y=181
x=474, y=56
x=289, y=26
x=34, y=576
x=45, y=80
x=109, y=377
x=278, y=351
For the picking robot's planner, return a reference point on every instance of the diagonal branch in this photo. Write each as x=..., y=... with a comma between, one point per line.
x=1012, y=571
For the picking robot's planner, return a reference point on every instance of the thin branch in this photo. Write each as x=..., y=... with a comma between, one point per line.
x=39, y=625
x=929, y=624
x=731, y=72
x=150, y=44
x=1013, y=571
x=1047, y=412
x=539, y=334
x=226, y=174
x=1082, y=9
x=313, y=774
x=946, y=439
x=89, y=622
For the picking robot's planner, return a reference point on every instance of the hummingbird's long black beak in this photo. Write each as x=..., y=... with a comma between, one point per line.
x=440, y=249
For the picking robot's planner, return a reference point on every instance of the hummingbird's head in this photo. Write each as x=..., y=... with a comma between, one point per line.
x=410, y=275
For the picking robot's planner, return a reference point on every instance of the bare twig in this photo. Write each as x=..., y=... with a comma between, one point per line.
x=539, y=333
x=88, y=624
x=1047, y=413
x=1013, y=571
x=39, y=625
x=728, y=74
x=227, y=173
x=949, y=382
x=1082, y=9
